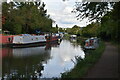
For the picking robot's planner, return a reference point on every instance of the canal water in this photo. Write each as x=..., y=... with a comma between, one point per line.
x=47, y=61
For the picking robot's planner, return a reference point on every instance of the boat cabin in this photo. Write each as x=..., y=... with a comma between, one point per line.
x=73, y=36
x=91, y=43
x=27, y=38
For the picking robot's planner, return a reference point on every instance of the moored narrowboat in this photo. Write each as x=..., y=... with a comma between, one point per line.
x=6, y=39
x=91, y=43
x=26, y=40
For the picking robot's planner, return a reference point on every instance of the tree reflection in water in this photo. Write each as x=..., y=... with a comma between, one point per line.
x=25, y=62
x=40, y=62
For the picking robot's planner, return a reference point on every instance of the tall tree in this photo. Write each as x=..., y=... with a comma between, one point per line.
x=92, y=10
x=107, y=13
x=25, y=17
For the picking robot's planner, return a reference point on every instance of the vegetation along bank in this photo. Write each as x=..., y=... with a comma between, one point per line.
x=82, y=66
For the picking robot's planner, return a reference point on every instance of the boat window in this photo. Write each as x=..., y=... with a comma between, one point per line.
x=9, y=39
x=20, y=38
x=37, y=38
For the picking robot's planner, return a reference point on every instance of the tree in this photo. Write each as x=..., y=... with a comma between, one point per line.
x=116, y=19
x=92, y=10
x=61, y=30
x=26, y=16
x=75, y=29
x=107, y=13
x=90, y=30
x=110, y=24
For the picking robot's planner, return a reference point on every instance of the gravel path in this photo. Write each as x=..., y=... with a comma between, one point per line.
x=107, y=66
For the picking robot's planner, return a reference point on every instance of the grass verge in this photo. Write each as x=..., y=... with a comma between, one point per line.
x=82, y=66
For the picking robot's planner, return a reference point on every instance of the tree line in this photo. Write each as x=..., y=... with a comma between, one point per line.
x=88, y=31
x=25, y=17
x=106, y=15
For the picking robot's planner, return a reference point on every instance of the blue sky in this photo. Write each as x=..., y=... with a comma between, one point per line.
x=61, y=13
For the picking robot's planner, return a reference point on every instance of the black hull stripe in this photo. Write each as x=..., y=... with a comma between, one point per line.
x=28, y=44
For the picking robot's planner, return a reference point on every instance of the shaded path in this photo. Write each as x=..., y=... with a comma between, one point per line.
x=107, y=66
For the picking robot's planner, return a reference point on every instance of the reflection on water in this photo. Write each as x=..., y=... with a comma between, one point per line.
x=24, y=52
x=40, y=62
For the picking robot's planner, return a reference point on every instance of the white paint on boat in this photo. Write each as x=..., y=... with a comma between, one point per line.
x=73, y=36
x=27, y=38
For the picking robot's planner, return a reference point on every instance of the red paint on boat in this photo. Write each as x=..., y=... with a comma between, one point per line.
x=6, y=39
x=50, y=39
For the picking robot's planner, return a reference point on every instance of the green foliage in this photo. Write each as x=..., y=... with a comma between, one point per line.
x=17, y=29
x=82, y=66
x=90, y=30
x=109, y=29
x=92, y=10
x=67, y=36
x=28, y=16
x=107, y=13
x=74, y=30
x=61, y=30
x=54, y=30
x=68, y=30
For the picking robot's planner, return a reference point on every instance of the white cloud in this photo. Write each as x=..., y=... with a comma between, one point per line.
x=61, y=13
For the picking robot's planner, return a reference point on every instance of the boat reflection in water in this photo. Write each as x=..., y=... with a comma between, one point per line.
x=40, y=62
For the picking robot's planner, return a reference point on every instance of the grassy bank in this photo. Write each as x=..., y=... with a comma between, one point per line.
x=82, y=66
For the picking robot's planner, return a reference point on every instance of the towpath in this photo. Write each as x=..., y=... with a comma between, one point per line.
x=107, y=66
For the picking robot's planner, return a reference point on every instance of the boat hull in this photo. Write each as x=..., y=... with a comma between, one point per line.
x=12, y=45
x=17, y=42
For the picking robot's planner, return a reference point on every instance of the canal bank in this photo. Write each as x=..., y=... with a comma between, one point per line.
x=107, y=66
x=83, y=65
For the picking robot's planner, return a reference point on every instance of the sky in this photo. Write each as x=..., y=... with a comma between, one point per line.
x=60, y=12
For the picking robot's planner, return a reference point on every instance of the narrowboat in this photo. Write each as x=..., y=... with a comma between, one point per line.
x=73, y=36
x=26, y=40
x=6, y=39
x=91, y=43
